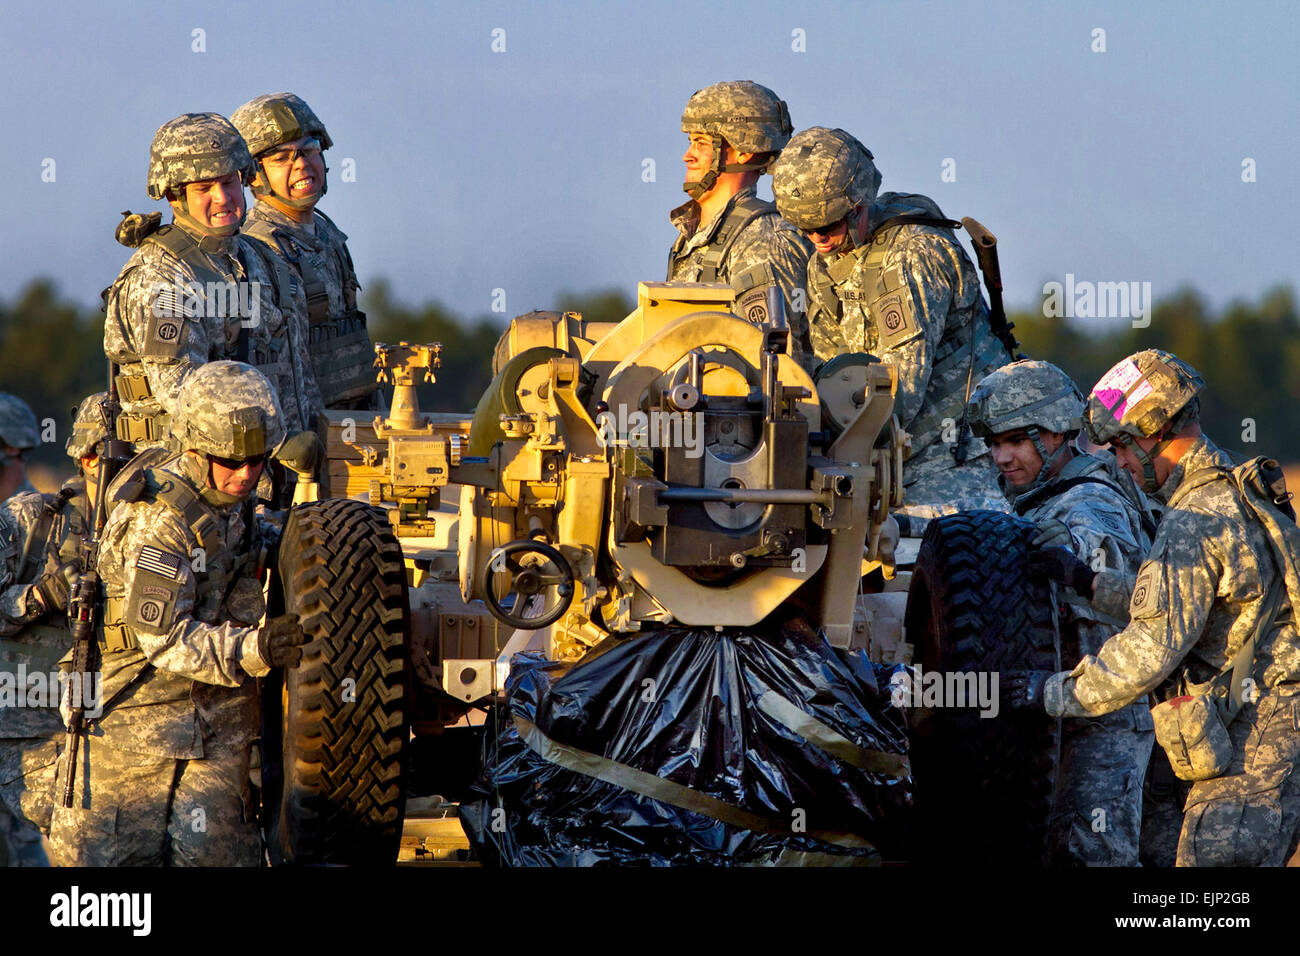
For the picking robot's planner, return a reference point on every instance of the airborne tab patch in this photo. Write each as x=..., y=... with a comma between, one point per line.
x=159, y=562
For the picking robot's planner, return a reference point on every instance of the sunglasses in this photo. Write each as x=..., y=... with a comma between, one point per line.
x=823, y=230
x=234, y=464
x=283, y=157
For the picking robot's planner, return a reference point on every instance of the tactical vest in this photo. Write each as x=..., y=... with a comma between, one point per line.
x=1064, y=482
x=205, y=526
x=342, y=354
x=960, y=347
x=150, y=425
x=711, y=259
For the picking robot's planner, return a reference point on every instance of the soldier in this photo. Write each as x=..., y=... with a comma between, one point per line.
x=38, y=568
x=18, y=436
x=891, y=279
x=167, y=761
x=1210, y=619
x=1029, y=413
x=726, y=233
x=196, y=290
x=287, y=142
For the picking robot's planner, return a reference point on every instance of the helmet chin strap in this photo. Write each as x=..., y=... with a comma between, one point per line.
x=197, y=466
x=850, y=233
x=211, y=232
x=262, y=190
x=1048, y=458
x=1148, y=460
x=716, y=168
x=706, y=182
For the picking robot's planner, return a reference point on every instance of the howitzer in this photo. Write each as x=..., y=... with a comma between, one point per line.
x=85, y=608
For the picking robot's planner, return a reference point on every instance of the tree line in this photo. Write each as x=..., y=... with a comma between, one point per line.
x=51, y=355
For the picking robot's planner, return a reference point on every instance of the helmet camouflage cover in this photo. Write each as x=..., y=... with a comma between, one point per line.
x=194, y=147
x=18, y=427
x=751, y=118
x=230, y=410
x=267, y=121
x=821, y=175
x=1140, y=395
x=88, y=427
x=1025, y=394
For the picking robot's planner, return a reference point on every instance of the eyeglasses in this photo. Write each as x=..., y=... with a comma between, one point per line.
x=234, y=464
x=823, y=230
x=286, y=156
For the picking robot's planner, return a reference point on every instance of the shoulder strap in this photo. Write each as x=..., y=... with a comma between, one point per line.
x=282, y=281
x=185, y=501
x=741, y=215
x=268, y=234
x=1036, y=497
x=350, y=282
x=176, y=241
x=34, y=551
x=911, y=220
x=1226, y=688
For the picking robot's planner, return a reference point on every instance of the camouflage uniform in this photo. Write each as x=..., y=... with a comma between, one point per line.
x=18, y=430
x=764, y=241
x=748, y=244
x=910, y=296
x=49, y=529
x=1103, y=759
x=342, y=354
x=1194, y=603
x=44, y=535
x=164, y=771
x=160, y=327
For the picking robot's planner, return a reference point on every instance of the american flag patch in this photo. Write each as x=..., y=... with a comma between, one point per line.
x=168, y=303
x=159, y=562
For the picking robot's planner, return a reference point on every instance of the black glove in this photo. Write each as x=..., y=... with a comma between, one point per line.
x=1024, y=689
x=1060, y=565
x=55, y=586
x=279, y=642
x=1052, y=533
x=301, y=452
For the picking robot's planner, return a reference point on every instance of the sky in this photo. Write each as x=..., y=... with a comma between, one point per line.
x=535, y=148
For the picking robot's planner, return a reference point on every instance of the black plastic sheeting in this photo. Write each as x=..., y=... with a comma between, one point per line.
x=683, y=704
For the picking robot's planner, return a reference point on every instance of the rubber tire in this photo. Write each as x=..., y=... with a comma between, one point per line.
x=342, y=796
x=984, y=784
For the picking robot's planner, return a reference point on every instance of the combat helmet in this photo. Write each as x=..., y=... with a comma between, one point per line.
x=821, y=176
x=194, y=147
x=89, y=427
x=1138, y=397
x=271, y=120
x=18, y=427
x=228, y=410
x=749, y=117
x=1031, y=395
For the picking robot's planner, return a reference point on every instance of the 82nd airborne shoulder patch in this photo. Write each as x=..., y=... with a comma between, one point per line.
x=151, y=604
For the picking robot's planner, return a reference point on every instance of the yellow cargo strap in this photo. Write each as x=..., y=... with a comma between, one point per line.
x=824, y=738
x=674, y=794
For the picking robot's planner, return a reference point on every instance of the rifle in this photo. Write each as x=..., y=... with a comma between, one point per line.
x=85, y=608
x=986, y=252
